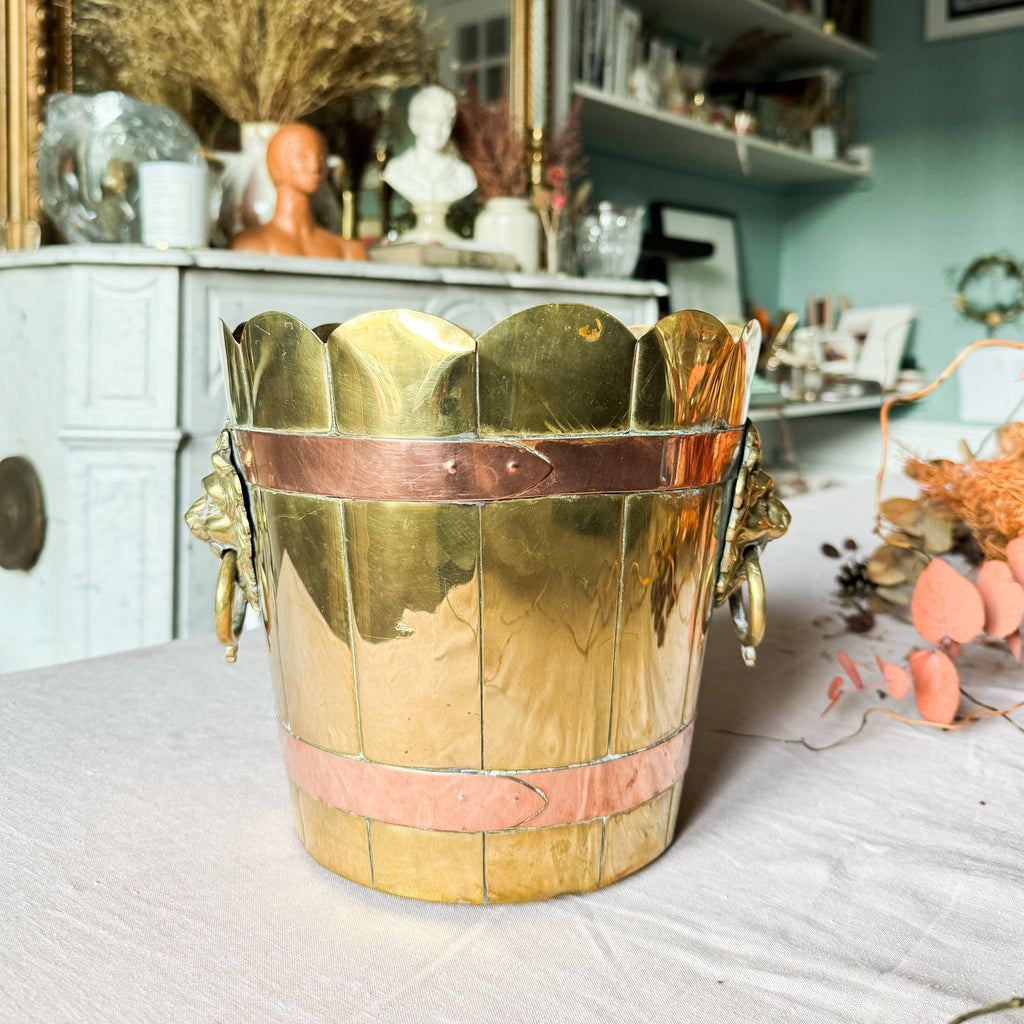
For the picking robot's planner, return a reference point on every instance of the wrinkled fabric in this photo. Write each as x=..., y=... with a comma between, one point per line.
x=151, y=873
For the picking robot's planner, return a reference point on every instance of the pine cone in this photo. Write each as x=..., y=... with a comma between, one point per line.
x=853, y=579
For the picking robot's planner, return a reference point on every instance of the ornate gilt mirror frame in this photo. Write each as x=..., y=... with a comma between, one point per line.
x=37, y=60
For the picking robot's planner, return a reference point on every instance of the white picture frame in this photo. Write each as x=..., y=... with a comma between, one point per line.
x=713, y=283
x=879, y=338
x=951, y=19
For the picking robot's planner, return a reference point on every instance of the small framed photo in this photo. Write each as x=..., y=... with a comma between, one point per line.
x=948, y=19
x=711, y=280
x=875, y=339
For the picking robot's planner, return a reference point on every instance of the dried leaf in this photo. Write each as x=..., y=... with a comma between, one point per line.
x=883, y=566
x=900, y=540
x=1003, y=598
x=936, y=685
x=835, y=691
x=937, y=534
x=901, y=512
x=896, y=679
x=946, y=605
x=893, y=596
x=1015, y=558
x=851, y=669
x=913, y=564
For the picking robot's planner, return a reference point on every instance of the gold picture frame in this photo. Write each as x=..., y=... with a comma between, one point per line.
x=37, y=60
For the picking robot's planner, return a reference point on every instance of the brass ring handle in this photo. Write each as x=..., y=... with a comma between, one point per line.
x=749, y=622
x=229, y=605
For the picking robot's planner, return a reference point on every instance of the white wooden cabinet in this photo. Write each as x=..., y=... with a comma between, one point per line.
x=110, y=384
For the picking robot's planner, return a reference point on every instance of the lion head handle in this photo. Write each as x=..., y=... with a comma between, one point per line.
x=220, y=518
x=756, y=517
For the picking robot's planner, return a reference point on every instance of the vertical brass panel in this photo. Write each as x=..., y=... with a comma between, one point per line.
x=287, y=367
x=689, y=371
x=415, y=601
x=635, y=837
x=402, y=374
x=673, y=818
x=446, y=867
x=670, y=562
x=333, y=838
x=550, y=573
x=703, y=601
x=236, y=380
x=265, y=574
x=534, y=864
x=311, y=630
x=555, y=369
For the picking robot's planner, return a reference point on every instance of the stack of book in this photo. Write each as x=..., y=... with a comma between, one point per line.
x=609, y=45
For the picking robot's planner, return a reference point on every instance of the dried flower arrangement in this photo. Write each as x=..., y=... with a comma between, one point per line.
x=973, y=509
x=258, y=60
x=492, y=146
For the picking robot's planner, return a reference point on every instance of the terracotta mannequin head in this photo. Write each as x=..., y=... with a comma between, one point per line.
x=297, y=164
x=297, y=158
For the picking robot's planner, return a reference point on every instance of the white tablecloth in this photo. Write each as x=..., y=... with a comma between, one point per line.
x=151, y=874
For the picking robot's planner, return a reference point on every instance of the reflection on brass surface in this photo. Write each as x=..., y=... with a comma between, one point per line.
x=634, y=838
x=555, y=369
x=489, y=555
x=524, y=865
x=755, y=518
x=220, y=519
x=22, y=514
x=664, y=613
x=690, y=371
x=288, y=374
x=338, y=841
x=402, y=374
x=415, y=612
x=550, y=576
x=444, y=867
x=310, y=632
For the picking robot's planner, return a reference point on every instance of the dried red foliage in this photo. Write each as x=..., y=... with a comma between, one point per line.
x=492, y=146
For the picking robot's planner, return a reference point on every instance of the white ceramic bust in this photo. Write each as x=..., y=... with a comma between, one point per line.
x=430, y=175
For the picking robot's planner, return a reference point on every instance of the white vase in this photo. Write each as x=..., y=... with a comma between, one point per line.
x=249, y=197
x=509, y=224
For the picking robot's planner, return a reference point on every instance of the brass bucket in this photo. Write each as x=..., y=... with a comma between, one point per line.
x=486, y=567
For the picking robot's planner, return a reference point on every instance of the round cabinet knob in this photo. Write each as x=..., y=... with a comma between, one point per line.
x=22, y=514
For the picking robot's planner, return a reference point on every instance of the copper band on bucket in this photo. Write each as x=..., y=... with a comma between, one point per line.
x=469, y=470
x=475, y=801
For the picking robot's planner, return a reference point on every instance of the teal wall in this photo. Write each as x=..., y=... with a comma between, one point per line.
x=945, y=121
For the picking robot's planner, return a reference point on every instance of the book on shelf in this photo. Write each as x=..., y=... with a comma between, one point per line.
x=608, y=44
x=435, y=254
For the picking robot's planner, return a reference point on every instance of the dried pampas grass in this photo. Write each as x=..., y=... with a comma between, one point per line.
x=258, y=60
x=987, y=495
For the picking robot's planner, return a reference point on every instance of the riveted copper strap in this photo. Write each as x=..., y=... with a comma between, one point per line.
x=476, y=801
x=398, y=469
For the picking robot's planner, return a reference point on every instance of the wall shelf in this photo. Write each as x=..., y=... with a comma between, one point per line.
x=613, y=124
x=720, y=21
